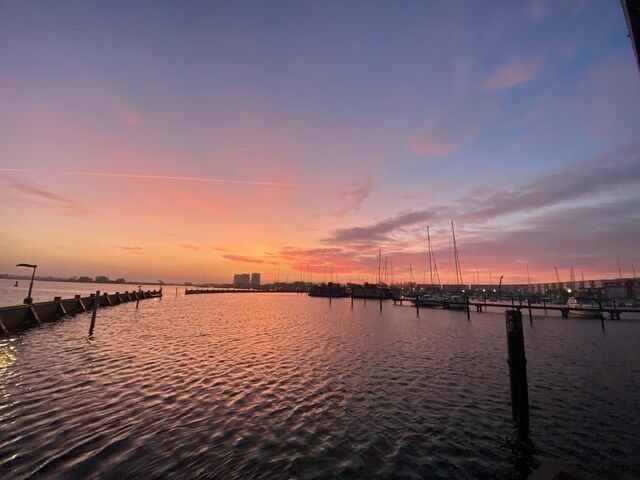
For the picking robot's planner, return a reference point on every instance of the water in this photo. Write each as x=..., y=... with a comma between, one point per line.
x=239, y=386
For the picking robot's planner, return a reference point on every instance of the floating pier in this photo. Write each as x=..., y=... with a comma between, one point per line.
x=200, y=291
x=17, y=318
x=613, y=311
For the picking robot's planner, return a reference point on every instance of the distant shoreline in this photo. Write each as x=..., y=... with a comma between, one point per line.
x=84, y=280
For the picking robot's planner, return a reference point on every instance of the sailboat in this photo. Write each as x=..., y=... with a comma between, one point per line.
x=431, y=299
x=456, y=301
x=377, y=291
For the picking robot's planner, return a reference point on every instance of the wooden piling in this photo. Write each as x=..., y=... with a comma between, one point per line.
x=468, y=309
x=81, y=305
x=417, y=305
x=530, y=313
x=59, y=306
x=517, y=372
x=600, y=309
x=94, y=311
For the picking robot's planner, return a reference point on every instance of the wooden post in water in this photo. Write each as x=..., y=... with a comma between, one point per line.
x=530, y=314
x=417, y=305
x=517, y=372
x=544, y=304
x=380, y=295
x=468, y=310
x=351, y=299
x=94, y=311
x=600, y=311
x=138, y=296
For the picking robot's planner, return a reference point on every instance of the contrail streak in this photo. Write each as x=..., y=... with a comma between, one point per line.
x=167, y=177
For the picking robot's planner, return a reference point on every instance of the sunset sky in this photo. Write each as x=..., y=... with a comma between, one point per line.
x=190, y=140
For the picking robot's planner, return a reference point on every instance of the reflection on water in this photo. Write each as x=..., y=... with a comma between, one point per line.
x=286, y=386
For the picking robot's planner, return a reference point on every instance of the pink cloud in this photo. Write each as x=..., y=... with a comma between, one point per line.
x=508, y=76
x=189, y=246
x=242, y=258
x=446, y=131
x=129, y=249
x=352, y=197
x=128, y=114
x=432, y=142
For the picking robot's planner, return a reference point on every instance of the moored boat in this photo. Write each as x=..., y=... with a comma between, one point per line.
x=429, y=301
x=456, y=302
x=330, y=289
x=583, y=307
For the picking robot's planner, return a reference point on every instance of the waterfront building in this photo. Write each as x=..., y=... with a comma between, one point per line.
x=255, y=280
x=241, y=279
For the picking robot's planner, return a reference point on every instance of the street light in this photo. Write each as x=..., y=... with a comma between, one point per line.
x=29, y=300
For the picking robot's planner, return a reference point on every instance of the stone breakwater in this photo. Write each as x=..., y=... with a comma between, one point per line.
x=21, y=317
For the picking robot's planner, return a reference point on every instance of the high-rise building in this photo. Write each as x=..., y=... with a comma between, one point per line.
x=242, y=279
x=255, y=279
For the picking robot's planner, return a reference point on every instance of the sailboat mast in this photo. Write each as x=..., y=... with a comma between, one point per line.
x=430, y=261
x=385, y=270
x=456, y=258
x=619, y=269
x=379, y=266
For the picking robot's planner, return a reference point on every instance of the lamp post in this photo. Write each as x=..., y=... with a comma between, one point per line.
x=29, y=300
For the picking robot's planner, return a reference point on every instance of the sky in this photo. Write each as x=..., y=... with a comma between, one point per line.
x=188, y=141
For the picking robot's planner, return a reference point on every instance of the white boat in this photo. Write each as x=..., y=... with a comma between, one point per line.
x=585, y=307
x=429, y=301
x=456, y=302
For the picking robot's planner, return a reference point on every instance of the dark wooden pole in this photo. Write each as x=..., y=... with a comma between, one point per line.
x=530, y=314
x=468, y=310
x=517, y=372
x=94, y=311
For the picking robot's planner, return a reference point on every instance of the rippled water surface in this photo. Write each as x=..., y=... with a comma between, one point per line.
x=286, y=386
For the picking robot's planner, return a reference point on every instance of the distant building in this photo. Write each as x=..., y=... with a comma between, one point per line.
x=242, y=279
x=255, y=279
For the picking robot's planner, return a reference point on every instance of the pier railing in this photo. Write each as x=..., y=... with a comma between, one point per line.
x=17, y=318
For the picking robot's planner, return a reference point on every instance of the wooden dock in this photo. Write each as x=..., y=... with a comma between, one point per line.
x=612, y=311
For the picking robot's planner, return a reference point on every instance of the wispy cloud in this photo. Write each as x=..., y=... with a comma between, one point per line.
x=177, y=178
x=607, y=174
x=510, y=75
x=242, y=258
x=128, y=114
x=129, y=249
x=351, y=198
x=445, y=131
x=189, y=246
x=40, y=196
